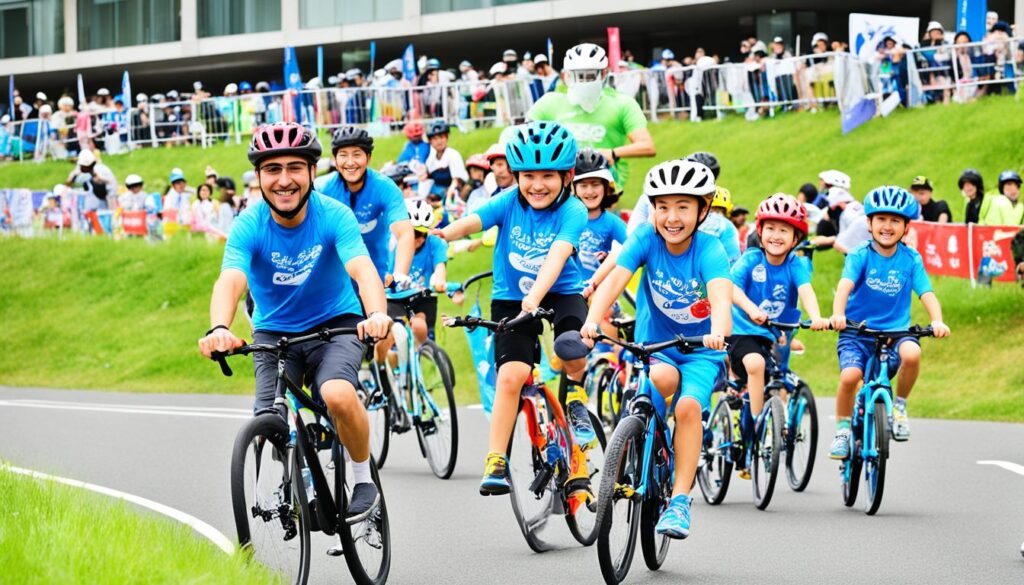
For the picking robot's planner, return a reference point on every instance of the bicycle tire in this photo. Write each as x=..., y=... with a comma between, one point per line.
x=715, y=470
x=376, y=526
x=850, y=475
x=524, y=463
x=379, y=413
x=623, y=461
x=602, y=387
x=767, y=446
x=442, y=464
x=583, y=535
x=269, y=429
x=874, y=470
x=653, y=545
x=799, y=478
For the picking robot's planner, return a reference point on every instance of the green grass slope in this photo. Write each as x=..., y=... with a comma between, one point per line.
x=91, y=313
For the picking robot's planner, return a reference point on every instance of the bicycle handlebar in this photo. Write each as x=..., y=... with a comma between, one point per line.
x=475, y=278
x=471, y=322
x=410, y=295
x=642, y=351
x=282, y=344
x=912, y=331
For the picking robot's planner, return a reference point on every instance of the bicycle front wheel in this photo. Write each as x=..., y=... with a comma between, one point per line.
x=438, y=428
x=367, y=544
x=874, y=466
x=582, y=516
x=715, y=468
x=618, y=503
x=654, y=545
x=531, y=481
x=767, y=444
x=269, y=499
x=378, y=410
x=802, y=438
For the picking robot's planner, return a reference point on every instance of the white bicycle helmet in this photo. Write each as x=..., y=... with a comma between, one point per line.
x=585, y=57
x=132, y=180
x=835, y=178
x=680, y=177
x=421, y=214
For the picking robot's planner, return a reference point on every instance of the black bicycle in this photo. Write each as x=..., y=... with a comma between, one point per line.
x=288, y=477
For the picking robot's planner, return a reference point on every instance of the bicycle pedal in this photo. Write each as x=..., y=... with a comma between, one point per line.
x=336, y=551
x=623, y=492
x=429, y=428
x=540, y=480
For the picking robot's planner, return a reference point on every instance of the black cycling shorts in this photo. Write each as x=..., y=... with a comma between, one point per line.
x=312, y=363
x=427, y=306
x=742, y=345
x=520, y=344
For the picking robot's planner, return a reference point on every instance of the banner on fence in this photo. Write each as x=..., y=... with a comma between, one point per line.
x=867, y=31
x=964, y=250
x=134, y=223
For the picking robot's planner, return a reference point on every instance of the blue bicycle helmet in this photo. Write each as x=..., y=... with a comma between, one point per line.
x=541, y=146
x=1008, y=177
x=891, y=199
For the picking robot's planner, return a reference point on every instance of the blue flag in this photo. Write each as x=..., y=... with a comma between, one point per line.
x=293, y=81
x=10, y=96
x=970, y=17
x=409, y=63
x=320, y=65
x=861, y=112
x=551, y=53
x=373, y=57
x=126, y=91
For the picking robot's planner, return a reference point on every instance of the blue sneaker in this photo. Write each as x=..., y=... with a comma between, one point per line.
x=841, y=444
x=579, y=422
x=675, y=520
x=495, y=482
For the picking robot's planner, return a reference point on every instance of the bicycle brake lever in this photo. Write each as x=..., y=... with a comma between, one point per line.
x=222, y=359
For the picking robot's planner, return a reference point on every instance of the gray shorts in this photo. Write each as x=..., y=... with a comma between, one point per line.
x=312, y=363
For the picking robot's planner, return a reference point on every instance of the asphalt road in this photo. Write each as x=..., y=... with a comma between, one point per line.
x=945, y=518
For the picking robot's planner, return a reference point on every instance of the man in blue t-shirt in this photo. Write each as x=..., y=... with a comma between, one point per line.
x=376, y=201
x=684, y=291
x=875, y=289
x=299, y=254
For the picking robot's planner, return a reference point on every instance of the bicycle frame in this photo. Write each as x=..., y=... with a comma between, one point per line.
x=555, y=451
x=876, y=387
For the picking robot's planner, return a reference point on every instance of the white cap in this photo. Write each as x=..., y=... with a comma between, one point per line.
x=353, y=73
x=499, y=68
x=66, y=101
x=394, y=64
x=41, y=96
x=132, y=179
x=173, y=94
x=465, y=65
x=313, y=83
x=759, y=46
x=835, y=178
x=778, y=40
x=668, y=54
x=86, y=158
x=231, y=89
x=332, y=80
x=934, y=25
x=45, y=109
x=992, y=14
x=540, y=58
x=197, y=85
x=60, y=189
x=5, y=119
x=103, y=91
x=527, y=56
x=141, y=97
x=837, y=195
x=510, y=54
x=819, y=36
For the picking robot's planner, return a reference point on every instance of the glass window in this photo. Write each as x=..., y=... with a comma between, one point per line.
x=314, y=13
x=31, y=27
x=124, y=23
x=233, y=17
x=435, y=6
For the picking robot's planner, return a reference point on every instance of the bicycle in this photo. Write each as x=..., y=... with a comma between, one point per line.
x=542, y=454
x=639, y=468
x=870, y=425
x=280, y=494
x=417, y=405
x=731, y=434
x=610, y=375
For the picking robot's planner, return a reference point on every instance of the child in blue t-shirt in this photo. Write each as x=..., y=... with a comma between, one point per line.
x=540, y=224
x=768, y=281
x=875, y=288
x=684, y=290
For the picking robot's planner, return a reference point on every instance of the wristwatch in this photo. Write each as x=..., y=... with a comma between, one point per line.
x=615, y=157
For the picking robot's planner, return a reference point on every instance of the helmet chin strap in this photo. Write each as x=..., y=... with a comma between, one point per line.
x=293, y=213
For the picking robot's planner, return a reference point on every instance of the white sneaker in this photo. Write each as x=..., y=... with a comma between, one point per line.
x=900, y=422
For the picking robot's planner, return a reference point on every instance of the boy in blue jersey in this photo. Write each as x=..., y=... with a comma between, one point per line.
x=684, y=290
x=875, y=289
x=299, y=255
x=540, y=226
x=594, y=185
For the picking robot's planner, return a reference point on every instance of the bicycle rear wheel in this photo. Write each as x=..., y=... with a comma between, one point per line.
x=269, y=499
x=532, y=489
x=367, y=544
x=849, y=474
x=874, y=467
x=618, y=504
x=654, y=545
x=600, y=389
x=715, y=469
x=802, y=439
x=438, y=428
x=767, y=445
x=582, y=517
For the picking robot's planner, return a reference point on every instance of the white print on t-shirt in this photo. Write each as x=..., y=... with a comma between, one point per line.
x=532, y=250
x=891, y=285
x=592, y=133
x=364, y=215
x=683, y=302
x=295, y=271
x=759, y=274
x=589, y=244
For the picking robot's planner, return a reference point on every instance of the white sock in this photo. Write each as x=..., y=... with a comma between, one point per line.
x=901, y=401
x=361, y=472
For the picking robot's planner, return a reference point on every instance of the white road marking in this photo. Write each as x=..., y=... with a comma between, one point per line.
x=133, y=409
x=1014, y=467
x=475, y=407
x=122, y=406
x=214, y=535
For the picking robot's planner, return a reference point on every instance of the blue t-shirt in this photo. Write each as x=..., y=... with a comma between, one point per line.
x=418, y=151
x=597, y=237
x=377, y=206
x=434, y=251
x=772, y=288
x=673, y=295
x=525, y=239
x=881, y=286
x=297, y=275
x=719, y=226
x=793, y=314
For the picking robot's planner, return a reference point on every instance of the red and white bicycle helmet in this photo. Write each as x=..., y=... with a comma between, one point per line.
x=479, y=161
x=785, y=208
x=283, y=138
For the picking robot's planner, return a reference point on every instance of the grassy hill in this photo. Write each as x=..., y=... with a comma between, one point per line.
x=92, y=313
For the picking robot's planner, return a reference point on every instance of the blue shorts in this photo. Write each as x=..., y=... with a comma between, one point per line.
x=855, y=350
x=699, y=373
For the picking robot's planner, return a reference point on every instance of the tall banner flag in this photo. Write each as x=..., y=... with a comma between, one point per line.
x=126, y=91
x=614, y=48
x=409, y=64
x=970, y=17
x=10, y=97
x=373, y=59
x=81, y=91
x=551, y=53
x=320, y=65
x=867, y=31
x=293, y=81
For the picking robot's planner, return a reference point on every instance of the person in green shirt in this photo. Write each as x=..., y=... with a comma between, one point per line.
x=599, y=117
x=1009, y=189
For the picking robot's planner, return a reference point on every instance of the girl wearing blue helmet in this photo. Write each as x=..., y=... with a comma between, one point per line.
x=540, y=224
x=875, y=289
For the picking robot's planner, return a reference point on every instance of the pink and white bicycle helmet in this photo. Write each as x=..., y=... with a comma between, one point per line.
x=283, y=138
x=784, y=208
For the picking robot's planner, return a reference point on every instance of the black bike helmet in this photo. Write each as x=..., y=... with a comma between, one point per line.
x=590, y=161
x=437, y=128
x=971, y=176
x=398, y=173
x=1008, y=177
x=351, y=136
x=707, y=159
